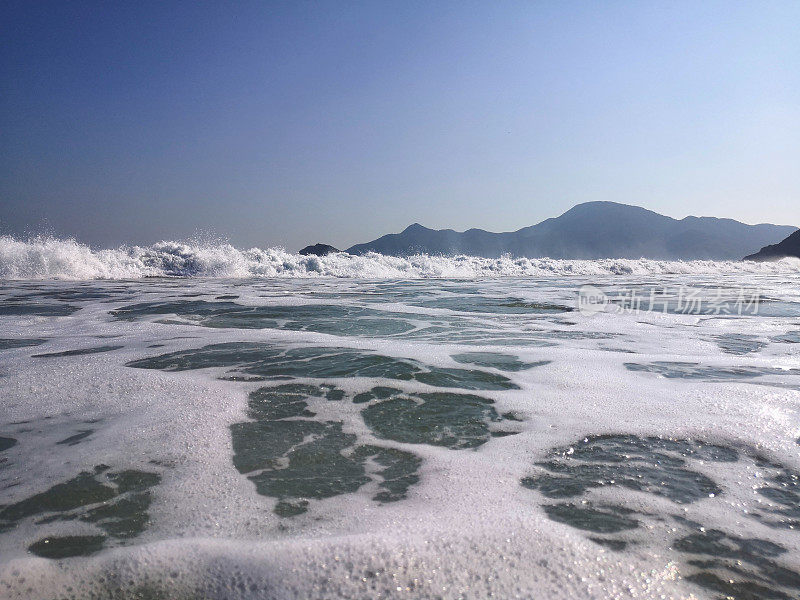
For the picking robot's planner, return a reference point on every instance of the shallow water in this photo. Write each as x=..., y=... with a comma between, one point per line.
x=294, y=438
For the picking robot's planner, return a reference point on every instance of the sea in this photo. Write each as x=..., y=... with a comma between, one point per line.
x=195, y=421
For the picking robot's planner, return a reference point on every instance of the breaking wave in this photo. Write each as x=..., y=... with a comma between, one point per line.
x=53, y=258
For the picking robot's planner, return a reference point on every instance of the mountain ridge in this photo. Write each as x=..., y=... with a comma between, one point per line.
x=592, y=230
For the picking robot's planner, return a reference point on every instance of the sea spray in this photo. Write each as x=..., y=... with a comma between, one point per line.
x=53, y=258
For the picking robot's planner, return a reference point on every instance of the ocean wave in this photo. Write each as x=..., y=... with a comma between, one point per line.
x=54, y=258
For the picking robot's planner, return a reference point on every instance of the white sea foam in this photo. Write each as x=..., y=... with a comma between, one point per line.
x=53, y=258
x=468, y=528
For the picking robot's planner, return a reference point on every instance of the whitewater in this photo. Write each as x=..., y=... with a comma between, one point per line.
x=191, y=420
x=53, y=258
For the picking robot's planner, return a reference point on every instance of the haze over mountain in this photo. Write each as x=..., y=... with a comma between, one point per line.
x=593, y=230
x=788, y=247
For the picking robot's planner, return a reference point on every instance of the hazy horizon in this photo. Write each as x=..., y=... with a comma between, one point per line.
x=208, y=235
x=289, y=124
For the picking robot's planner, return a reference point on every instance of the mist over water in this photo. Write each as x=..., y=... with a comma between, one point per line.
x=43, y=258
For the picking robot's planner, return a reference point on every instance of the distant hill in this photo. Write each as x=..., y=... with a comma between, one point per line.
x=788, y=247
x=593, y=230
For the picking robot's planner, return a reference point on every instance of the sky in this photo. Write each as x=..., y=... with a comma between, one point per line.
x=289, y=123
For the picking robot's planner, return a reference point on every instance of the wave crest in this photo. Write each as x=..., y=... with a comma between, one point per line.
x=53, y=258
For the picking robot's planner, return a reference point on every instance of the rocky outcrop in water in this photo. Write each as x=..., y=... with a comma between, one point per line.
x=318, y=250
x=788, y=247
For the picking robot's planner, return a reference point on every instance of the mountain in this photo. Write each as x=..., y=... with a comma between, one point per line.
x=592, y=230
x=788, y=247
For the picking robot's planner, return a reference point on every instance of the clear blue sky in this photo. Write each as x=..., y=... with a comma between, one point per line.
x=290, y=122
